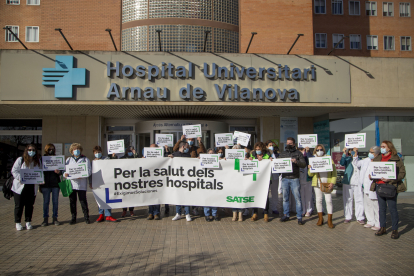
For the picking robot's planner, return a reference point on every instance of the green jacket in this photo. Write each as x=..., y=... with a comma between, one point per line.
x=400, y=173
x=331, y=176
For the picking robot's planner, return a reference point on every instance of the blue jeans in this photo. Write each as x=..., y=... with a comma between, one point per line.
x=209, y=210
x=178, y=209
x=237, y=210
x=108, y=212
x=46, y=200
x=392, y=205
x=154, y=209
x=294, y=186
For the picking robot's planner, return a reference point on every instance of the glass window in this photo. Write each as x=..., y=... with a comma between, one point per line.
x=6, y=124
x=387, y=9
x=33, y=2
x=9, y=36
x=405, y=43
x=320, y=6
x=372, y=42
x=32, y=34
x=13, y=2
x=371, y=8
x=119, y=128
x=354, y=8
x=398, y=127
x=405, y=10
x=337, y=38
x=320, y=41
x=337, y=7
x=355, y=41
x=388, y=42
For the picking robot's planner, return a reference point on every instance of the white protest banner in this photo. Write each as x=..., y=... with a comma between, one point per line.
x=117, y=146
x=249, y=166
x=209, y=161
x=379, y=170
x=78, y=170
x=234, y=153
x=355, y=140
x=241, y=138
x=282, y=165
x=164, y=139
x=58, y=148
x=153, y=152
x=192, y=131
x=31, y=176
x=307, y=140
x=178, y=181
x=224, y=139
x=51, y=163
x=320, y=164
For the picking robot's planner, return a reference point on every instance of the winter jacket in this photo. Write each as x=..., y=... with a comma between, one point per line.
x=17, y=166
x=346, y=161
x=331, y=175
x=194, y=151
x=300, y=162
x=81, y=183
x=52, y=179
x=400, y=173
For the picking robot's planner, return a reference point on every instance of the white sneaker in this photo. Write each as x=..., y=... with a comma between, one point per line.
x=188, y=217
x=29, y=226
x=195, y=212
x=19, y=227
x=177, y=217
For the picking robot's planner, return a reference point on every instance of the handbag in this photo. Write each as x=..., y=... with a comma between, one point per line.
x=386, y=190
x=7, y=188
x=324, y=186
x=65, y=187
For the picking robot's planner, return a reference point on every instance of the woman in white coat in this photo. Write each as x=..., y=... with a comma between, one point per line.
x=25, y=195
x=371, y=206
x=79, y=185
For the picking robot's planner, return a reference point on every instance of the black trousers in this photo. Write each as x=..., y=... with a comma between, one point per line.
x=25, y=200
x=130, y=209
x=83, y=201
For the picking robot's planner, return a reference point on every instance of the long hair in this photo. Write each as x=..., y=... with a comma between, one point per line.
x=390, y=145
x=47, y=147
x=26, y=156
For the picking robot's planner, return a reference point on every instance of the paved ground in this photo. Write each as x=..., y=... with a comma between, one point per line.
x=135, y=246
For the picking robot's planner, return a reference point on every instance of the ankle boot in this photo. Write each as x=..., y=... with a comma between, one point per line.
x=240, y=216
x=234, y=216
x=45, y=222
x=73, y=221
x=266, y=217
x=100, y=218
x=330, y=224
x=320, y=220
x=382, y=231
x=254, y=217
x=55, y=221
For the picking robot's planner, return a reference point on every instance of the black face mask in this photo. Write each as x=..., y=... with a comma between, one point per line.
x=289, y=147
x=51, y=152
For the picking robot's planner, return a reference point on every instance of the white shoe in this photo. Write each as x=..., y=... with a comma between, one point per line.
x=177, y=217
x=29, y=226
x=195, y=211
x=188, y=217
x=19, y=227
x=368, y=225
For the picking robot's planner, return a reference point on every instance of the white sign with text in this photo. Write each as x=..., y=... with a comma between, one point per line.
x=379, y=170
x=241, y=138
x=357, y=140
x=234, y=153
x=209, y=161
x=320, y=164
x=77, y=170
x=192, y=131
x=31, y=176
x=224, y=139
x=249, y=166
x=153, y=152
x=164, y=139
x=51, y=163
x=308, y=140
x=282, y=165
x=117, y=146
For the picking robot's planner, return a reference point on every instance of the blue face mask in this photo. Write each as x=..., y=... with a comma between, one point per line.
x=383, y=150
x=76, y=152
x=186, y=150
x=130, y=153
x=371, y=156
x=352, y=153
x=98, y=155
x=258, y=152
x=271, y=148
x=220, y=154
x=31, y=153
x=190, y=143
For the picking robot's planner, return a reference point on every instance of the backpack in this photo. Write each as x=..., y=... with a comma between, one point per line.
x=7, y=192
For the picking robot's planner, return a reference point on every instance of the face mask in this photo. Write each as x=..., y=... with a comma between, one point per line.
x=31, y=153
x=371, y=156
x=289, y=147
x=51, y=152
x=271, y=148
x=190, y=143
x=258, y=152
x=220, y=154
x=76, y=152
x=186, y=150
x=352, y=153
x=320, y=153
x=130, y=153
x=383, y=150
x=98, y=155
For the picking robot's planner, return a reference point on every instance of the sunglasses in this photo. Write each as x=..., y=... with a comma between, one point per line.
x=319, y=150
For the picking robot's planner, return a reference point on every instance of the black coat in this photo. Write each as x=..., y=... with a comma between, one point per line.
x=300, y=162
x=52, y=179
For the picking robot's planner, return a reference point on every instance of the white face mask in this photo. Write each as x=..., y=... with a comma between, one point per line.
x=320, y=153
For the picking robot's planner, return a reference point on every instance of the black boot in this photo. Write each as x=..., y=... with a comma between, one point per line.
x=45, y=222
x=395, y=234
x=382, y=231
x=87, y=221
x=73, y=221
x=56, y=222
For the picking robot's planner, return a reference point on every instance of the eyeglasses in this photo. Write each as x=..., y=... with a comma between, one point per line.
x=319, y=150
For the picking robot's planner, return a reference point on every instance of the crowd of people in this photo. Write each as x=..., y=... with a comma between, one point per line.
x=301, y=185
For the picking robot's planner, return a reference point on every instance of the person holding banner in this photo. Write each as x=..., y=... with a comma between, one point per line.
x=389, y=153
x=317, y=179
x=52, y=179
x=352, y=188
x=24, y=194
x=97, y=152
x=193, y=150
x=79, y=185
x=129, y=154
x=154, y=210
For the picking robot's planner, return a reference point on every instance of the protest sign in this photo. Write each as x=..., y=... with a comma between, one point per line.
x=234, y=153
x=249, y=166
x=224, y=139
x=355, y=140
x=320, y=164
x=307, y=140
x=192, y=131
x=116, y=146
x=51, y=163
x=31, y=176
x=78, y=170
x=153, y=152
x=209, y=161
x=241, y=138
x=178, y=181
x=164, y=139
x=379, y=170
x=282, y=165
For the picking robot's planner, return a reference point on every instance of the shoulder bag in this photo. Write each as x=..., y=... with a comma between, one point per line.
x=324, y=186
x=386, y=190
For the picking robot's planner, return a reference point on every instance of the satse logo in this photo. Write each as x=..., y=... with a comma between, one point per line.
x=64, y=76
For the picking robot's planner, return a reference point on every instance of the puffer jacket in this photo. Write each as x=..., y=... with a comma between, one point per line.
x=300, y=162
x=400, y=173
